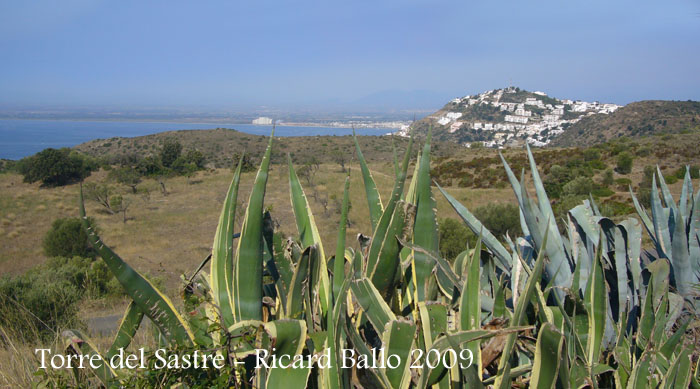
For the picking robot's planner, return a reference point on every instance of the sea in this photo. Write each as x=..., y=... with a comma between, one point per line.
x=20, y=138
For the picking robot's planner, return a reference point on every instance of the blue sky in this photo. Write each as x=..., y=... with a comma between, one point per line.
x=319, y=53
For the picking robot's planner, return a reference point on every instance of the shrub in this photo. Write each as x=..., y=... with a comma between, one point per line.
x=500, y=218
x=454, y=238
x=581, y=186
x=624, y=163
x=591, y=154
x=37, y=304
x=670, y=179
x=602, y=192
x=615, y=208
x=680, y=172
x=67, y=238
x=55, y=167
x=45, y=299
x=608, y=177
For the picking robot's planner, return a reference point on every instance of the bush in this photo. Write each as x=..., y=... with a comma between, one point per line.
x=455, y=237
x=602, y=192
x=608, y=178
x=694, y=172
x=500, y=218
x=670, y=179
x=45, y=299
x=581, y=186
x=55, y=167
x=37, y=304
x=67, y=238
x=624, y=163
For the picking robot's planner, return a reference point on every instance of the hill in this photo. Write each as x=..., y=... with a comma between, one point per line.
x=507, y=117
x=637, y=119
x=221, y=146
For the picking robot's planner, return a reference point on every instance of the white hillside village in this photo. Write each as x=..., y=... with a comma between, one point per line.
x=501, y=117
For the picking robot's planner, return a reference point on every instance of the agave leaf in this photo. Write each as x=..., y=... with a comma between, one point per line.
x=335, y=377
x=77, y=343
x=500, y=252
x=447, y=279
x=396, y=157
x=425, y=230
x=680, y=373
x=299, y=286
x=145, y=295
x=374, y=201
x=433, y=318
x=642, y=374
x=668, y=198
x=470, y=304
x=411, y=194
x=339, y=265
x=309, y=235
x=684, y=207
x=378, y=375
x=682, y=270
x=383, y=233
x=646, y=322
x=127, y=329
x=222, y=251
x=449, y=340
x=372, y=303
x=398, y=340
x=670, y=345
x=596, y=305
x=289, y=338
x=660, y=222
x=624, y=293
x=504, y=365
x=248, y=262
x=646, y=221
x=281, y=267
x=386, y=269
x=548, y=354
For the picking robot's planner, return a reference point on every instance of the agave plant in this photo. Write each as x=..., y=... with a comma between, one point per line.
x=570, y=310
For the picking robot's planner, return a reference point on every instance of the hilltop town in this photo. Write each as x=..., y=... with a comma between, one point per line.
x=506, y=117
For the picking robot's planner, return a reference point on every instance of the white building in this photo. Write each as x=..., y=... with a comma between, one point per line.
x=516, y=119
x=453, y=115
x=262, y=121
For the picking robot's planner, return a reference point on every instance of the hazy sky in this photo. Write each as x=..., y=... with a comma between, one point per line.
x=239, y=53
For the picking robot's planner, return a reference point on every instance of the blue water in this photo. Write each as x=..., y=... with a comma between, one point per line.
x=21, y=138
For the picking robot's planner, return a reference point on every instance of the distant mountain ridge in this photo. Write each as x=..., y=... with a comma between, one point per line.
x=507, y=117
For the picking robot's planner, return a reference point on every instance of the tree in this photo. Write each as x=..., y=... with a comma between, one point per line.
x=150, y=166
x=126, y=175
x=341, y=159
x=624, y=163
x=120, y=204
x=170, y=152
x=99, y=193
x=55, y=167
x=67, y=238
